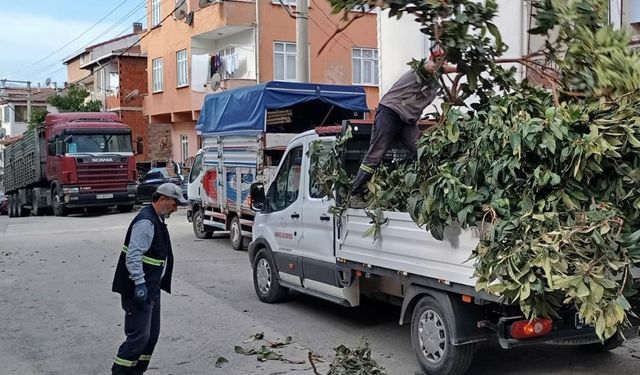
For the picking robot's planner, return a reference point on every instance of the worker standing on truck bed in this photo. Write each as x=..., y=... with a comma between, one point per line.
x=144, y=267
x=396, y=116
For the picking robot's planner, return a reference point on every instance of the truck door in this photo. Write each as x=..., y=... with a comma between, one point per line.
x=284, y=207
x=194, y=191
x=319, y=271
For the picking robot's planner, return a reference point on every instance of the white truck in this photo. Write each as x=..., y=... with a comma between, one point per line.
x=245, y=132
x=298, y=245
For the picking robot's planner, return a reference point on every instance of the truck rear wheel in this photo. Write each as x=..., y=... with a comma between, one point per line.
x=58, y=208
x=431, y=341
x=235, y=233
x=198, y=225
x=12, y=212
x=36, y=210
x=265, y=279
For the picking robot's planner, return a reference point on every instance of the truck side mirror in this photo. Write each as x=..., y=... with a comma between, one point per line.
x=257, y=196
x=51, y=148
x=137, y=146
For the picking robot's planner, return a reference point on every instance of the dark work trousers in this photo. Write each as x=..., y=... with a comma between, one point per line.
x=387, y=128
x=142, y=327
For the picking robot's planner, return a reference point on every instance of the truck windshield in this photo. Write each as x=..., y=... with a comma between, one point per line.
x=80, y=143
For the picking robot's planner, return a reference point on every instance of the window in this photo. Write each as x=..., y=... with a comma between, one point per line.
x=365, y=66
x=196, y=168
x=155, y=12
x=284, y=61
x=285, y=2
x=21, y=113
x=285, y=188
x=315, y=189
x=80, y=143
x=157, y=74
x=184, y=146
x=181, y=67
x=114, y=81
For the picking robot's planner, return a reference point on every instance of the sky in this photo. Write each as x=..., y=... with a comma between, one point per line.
x=36, y=35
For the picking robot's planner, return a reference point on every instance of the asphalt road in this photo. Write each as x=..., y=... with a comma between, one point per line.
x=59, y=316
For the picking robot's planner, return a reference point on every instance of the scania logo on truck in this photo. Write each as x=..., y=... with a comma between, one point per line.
x=102, y=160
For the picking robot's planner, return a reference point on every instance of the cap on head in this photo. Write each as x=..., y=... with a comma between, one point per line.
x=171, y=190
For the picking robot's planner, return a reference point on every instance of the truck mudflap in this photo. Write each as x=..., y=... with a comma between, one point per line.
x=99, y=199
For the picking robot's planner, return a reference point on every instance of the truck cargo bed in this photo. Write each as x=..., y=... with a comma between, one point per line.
x=405, y=247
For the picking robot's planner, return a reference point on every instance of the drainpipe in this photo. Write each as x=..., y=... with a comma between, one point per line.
x=256, y=46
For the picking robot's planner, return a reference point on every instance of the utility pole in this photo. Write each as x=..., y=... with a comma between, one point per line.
x=28, y=101
x=302, y=40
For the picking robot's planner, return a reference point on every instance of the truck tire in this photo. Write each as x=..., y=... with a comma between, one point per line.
x=124, y=208
x=235, y=233
x=198, y=225
x=431, y=341
x=11, y=211
x=58, y=208
x=36, y=210
x=265, y=279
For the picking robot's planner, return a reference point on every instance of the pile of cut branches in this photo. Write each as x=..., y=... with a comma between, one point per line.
x=556, y=171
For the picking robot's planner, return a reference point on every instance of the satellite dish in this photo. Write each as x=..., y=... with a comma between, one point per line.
x=205, y=3
x=47, y=82
x=132, y=95
x=181, y=10
x=214, y=82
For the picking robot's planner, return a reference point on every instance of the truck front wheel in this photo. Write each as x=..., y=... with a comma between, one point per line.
x=199, y=228
x=265, y=279
x=235, y=233
x=58, y=208
x=431, y=341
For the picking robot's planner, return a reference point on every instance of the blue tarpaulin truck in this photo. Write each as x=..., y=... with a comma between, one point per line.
x=245, y=132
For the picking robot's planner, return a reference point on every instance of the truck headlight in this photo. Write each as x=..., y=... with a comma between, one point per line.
x=132, y=188
x=71, y=190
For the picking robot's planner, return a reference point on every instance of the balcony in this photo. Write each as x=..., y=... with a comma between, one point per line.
x=224, y=17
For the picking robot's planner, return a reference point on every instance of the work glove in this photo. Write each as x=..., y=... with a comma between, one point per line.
x=140, y=293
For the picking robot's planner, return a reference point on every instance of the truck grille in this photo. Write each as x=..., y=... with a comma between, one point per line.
x=111, y=177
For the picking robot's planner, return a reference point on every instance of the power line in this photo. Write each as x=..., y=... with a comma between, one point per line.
x=129, y=14
x=121, y=20
x=333, y=23
x=328, y=34
x=71, y=41
x=149, y=31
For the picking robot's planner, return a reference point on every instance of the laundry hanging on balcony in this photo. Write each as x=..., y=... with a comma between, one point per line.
x=199, y=72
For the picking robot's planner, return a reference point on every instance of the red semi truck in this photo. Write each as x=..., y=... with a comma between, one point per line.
x=71, y=161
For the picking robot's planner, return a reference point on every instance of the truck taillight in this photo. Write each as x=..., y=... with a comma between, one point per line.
x=525, y=329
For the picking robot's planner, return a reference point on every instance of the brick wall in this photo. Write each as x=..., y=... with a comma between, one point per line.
x=133, y=76
x=158, y=142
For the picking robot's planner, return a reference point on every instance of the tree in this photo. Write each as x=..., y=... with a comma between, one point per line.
x=555, y=172
x=37, y=117
x=75, y=101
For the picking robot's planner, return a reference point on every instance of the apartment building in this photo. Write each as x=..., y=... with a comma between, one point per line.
x=246, y=42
